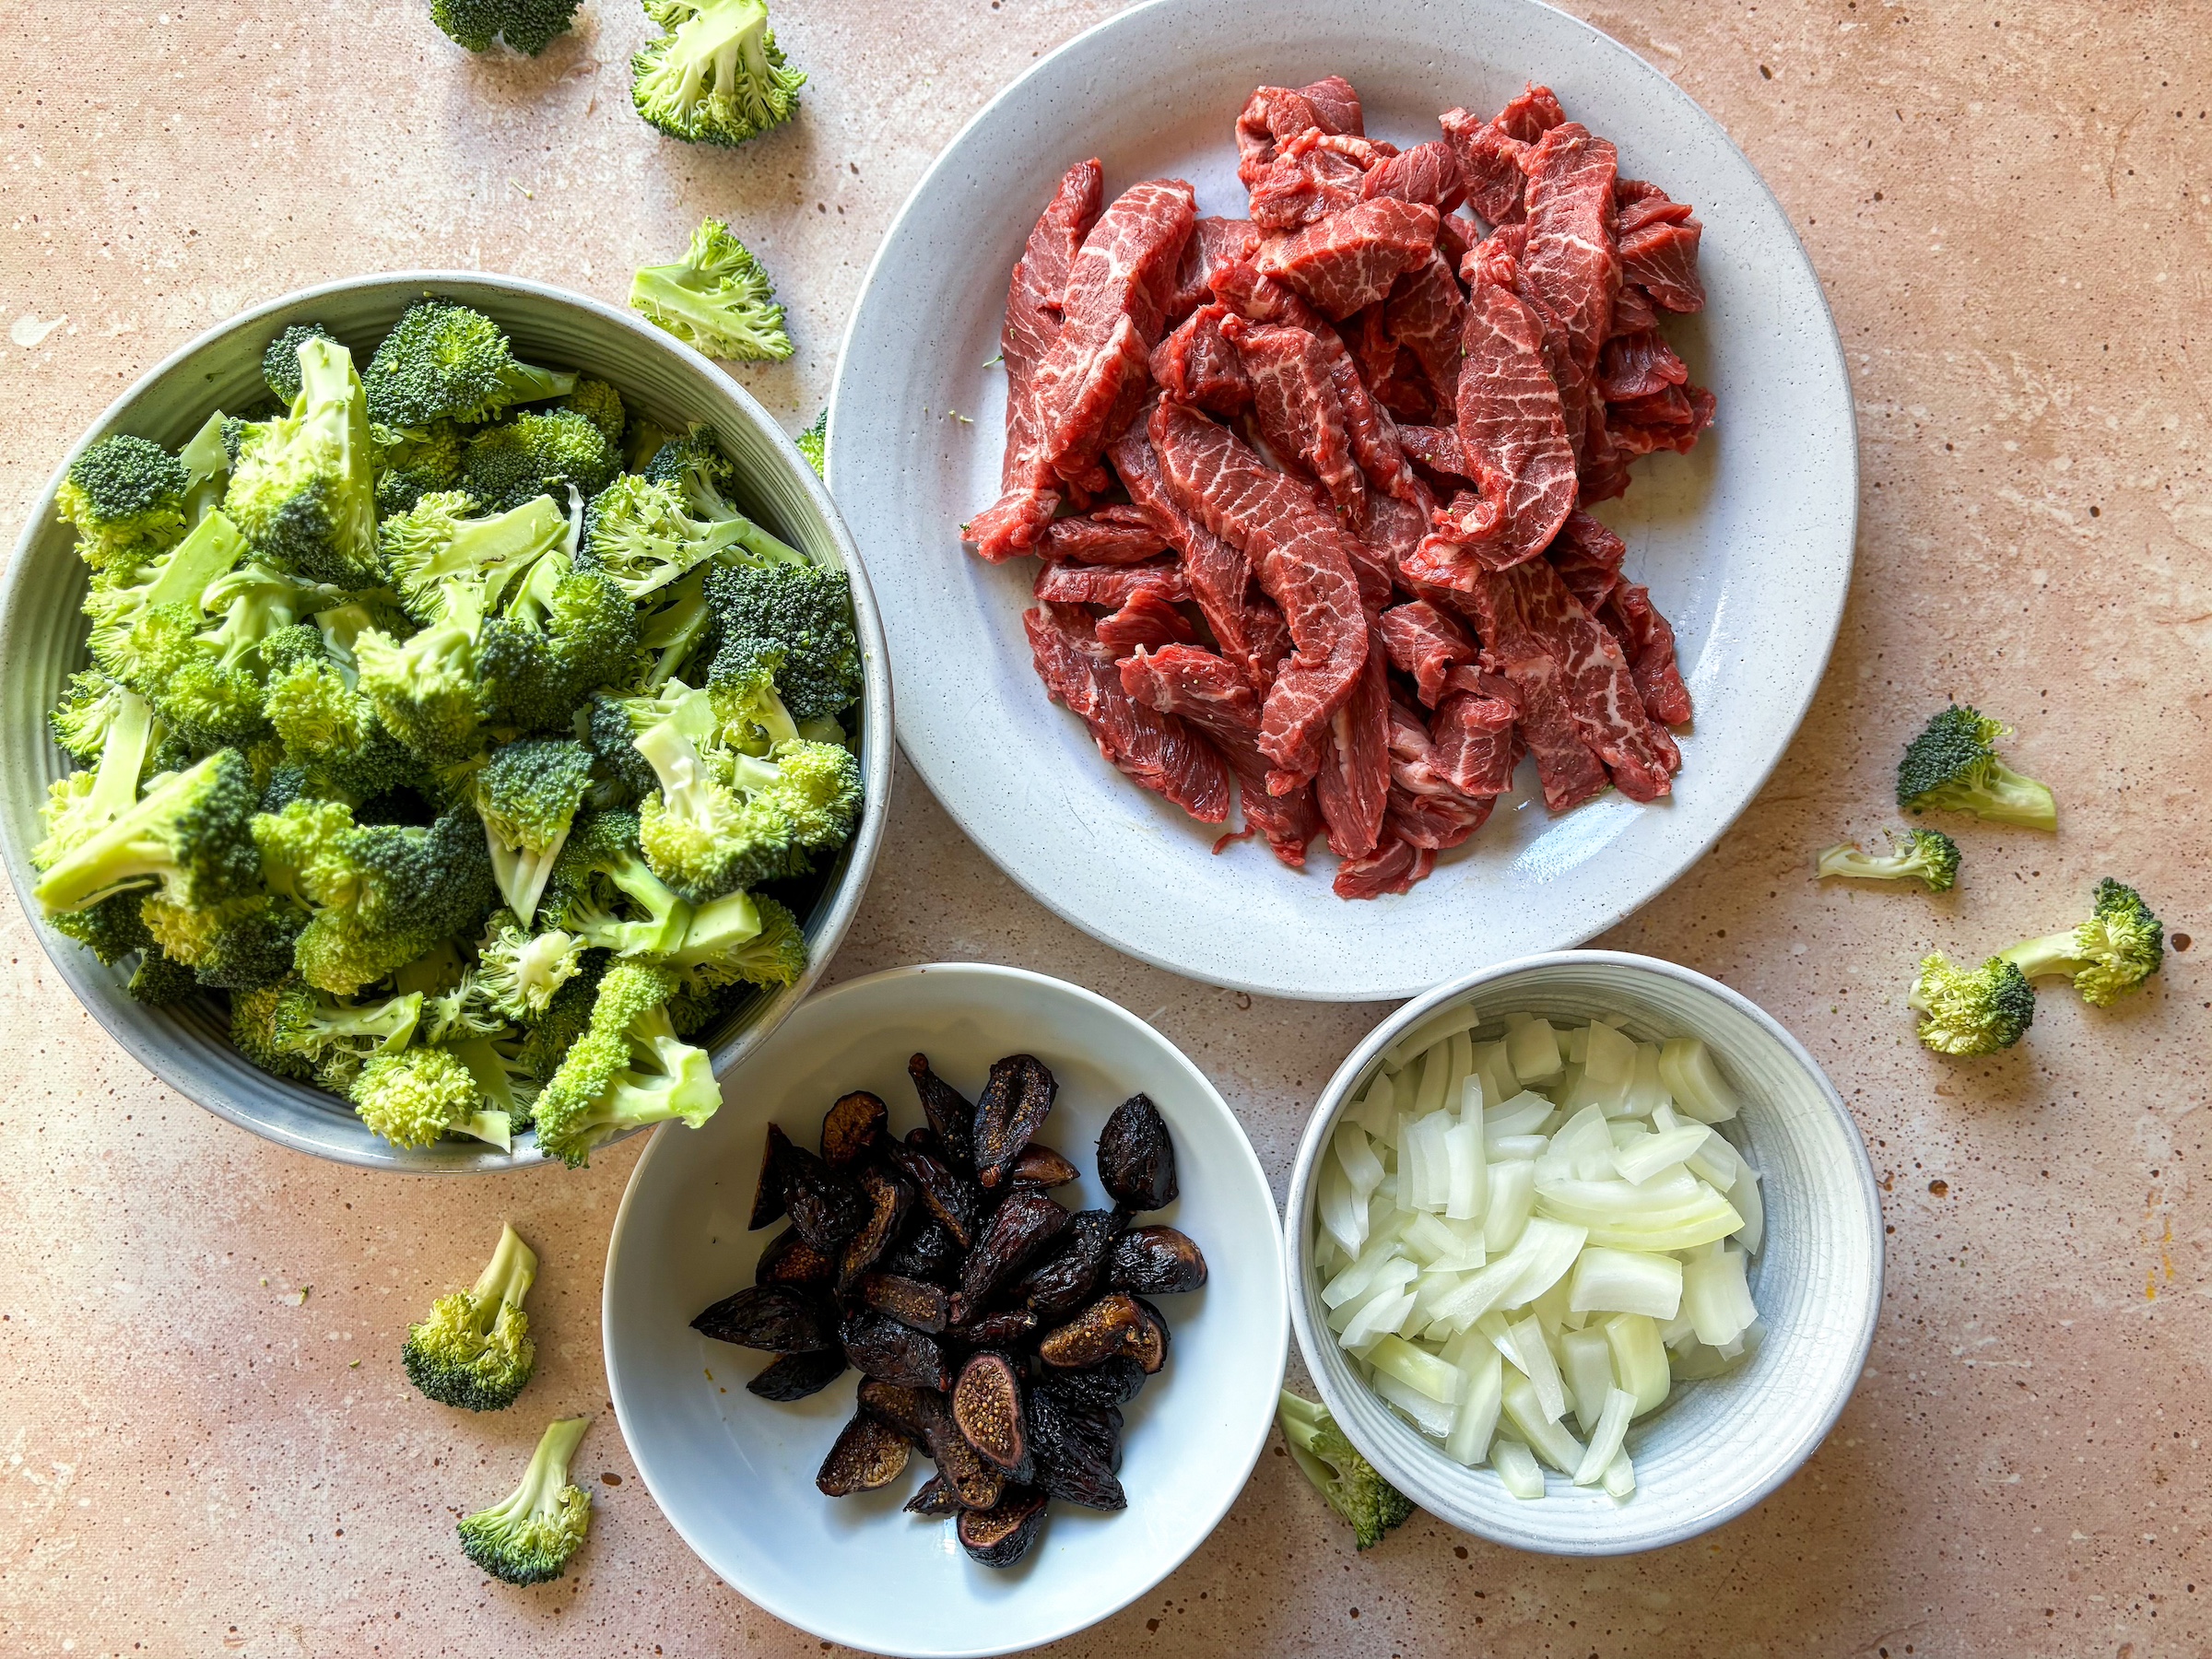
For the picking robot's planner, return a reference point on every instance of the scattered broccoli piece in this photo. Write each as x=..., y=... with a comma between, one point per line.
x=601, y=405
x=520, y=971
x=474, y=1349
x=529, y=1537
x=716, y=298
x=203, y=664
x=814, y=443
x=280, y=360
x=1953, y=766
x=241, y=946
x=700, y=835
x=538, y=452
x=125, y=495
x=628, y=1069
x=1927, y=856
x=716, y=77
x=527, y=26
x=605, y=893
x=187, y=838
x=304, y=491
x=119, y=601
x=412, y=1097
x=2114, y=952
x=442, y=360
x=415, y=462
x=802, y=612
x=330, y=732
x=1972, y=1010
x=1348, y=1480
x=527, y=795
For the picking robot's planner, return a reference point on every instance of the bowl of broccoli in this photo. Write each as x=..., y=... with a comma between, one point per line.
x=451, y=725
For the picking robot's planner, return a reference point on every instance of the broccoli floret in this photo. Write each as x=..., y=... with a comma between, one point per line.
x=741, y=940
x=600, y=404
x=814, y=443
x=446, y=361
x=1927, y=856
x=1348, y=1480
x=161, y=981
x=643, y=535
x=2114, y=952
x=547, y=1038
x=294, y=1030
x=79, y=806
x=203, y=664
x=304, y=491
x=119, y=601
x=508, y=1085
x=81, y=720
x=461, y=1011
x=716, y=77
x=616, y=721
x=444, y=546
x=802, y=612
x=331, y=733
x=125, y=495
x=1953, y=766
x=529, y=25
x=1972, y=1010
x=474, y=1349
x=187, y=838
x=814, y=786
x=412, y=1097
x=628, y=1069
x=697, y=831
x=716, y=299
x=240, y=946
x=529, y=1537
x=426, y=689
x=527, y=795
x=673, y=625
x=280, y=360
x=605, y=893
x=537, y=454
x=111, y=930
x=520, y=971
x=414, y=461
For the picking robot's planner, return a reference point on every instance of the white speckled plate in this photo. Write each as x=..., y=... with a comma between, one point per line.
x=1746, y=544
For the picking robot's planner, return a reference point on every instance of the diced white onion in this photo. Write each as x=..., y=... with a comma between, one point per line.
x=1469, y=1440
x=1647, y=1094
x=1626, y=1281
x=1533, y=1050
x=1619, y=1480
x=1541, y=1369
x=1586, y=1360
x=1716, y=1298
x=1686, y=1067
x=1428, y=1416
x=1605, y=1439
x=1517, y=1469
x=1512, y=1197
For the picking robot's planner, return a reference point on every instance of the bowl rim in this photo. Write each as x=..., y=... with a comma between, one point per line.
x=985, y=974
x=1299, y=1202
x=834, y=911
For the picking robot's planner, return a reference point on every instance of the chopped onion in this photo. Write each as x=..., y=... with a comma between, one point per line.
x=1436, y=1070
x=1609, y=1059
x=1547, y=1438
x=1512, y=1197
x=1377, y=1110
x=1381, y=1251
x=1716, y=1298
x=1649, y=1155
x=1541, y=1369
x=1619, y=1480
x=1361, y=1167
x=1467, y=1189
x=1344, y=1216
x=1428, y=1033
x=1605, y=1439
x=1533, y=1050
x=1587, y=1358
x=1428, y=1416
x=1469, y=1440
x=1745, y=1196
x=1517, y=1470
x=1517, y=1148
x=1382, y=1313
x=1626, y=1281
x=1524, y=1113
x=1416, y=1368
x=1498, y=1080
x=1647, y=1094
x=1639, y=1358
x=1700, y=1091
x=1716, y=1160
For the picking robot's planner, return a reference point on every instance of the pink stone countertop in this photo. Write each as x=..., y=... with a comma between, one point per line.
x=206, y=1444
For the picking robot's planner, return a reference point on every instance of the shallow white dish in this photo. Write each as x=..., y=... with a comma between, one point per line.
x=1746, y=544
x=734, y=1475
x=1717, y=1446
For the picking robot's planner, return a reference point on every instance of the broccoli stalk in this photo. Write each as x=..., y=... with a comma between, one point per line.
x=85, y=802
x=628, y=1069
x=1346, y=1479
x=413, y=1096
x=528, y=1538
x=1927, y=856
x=178, y=577
x=1972, y=1010
x=293, y=1031
x=602, y=882
x=187, y=838
x=741, y=940
x=303, y=490
x=474, y=1349
x=439, y=547
x=2114, y=952
x=1953, y=766
x=716, y=298
x=717, y=76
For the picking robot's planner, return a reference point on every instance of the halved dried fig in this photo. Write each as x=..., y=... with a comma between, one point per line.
x=1063, y=1280
x=772, y=1318
x=888, y=1199
x=1113, y=1382
x=824, y=1204
x=986, y=1404
x=925, y=1418
x=1040, y=1166
x=1114, y=1325
x=946, y=1107
x=894, y=1353
x=1137, y=1158
x=995, y=1329
x=768, y=1192
x=909, y=1301
x=790, y=1260
x=905, y=1410
x=947, y=1193
x=928, y=1252
x=1155, y=1261
x=852, y=1129
x=1016, y=1230
x=934, y=1500
x=1076, y=1447
x=866, y=1454
x=1002, y=1535
x=796, y=1376
x=1014, y=1103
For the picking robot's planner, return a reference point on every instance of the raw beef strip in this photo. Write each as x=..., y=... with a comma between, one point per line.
x=1117, y=295
x=1350, y=259
x=1473, y=734
x=1274, y=113
x=1111, y=535
x=1568, y=768
x=1632, y=312
x=1435, y=449
x=1155, y=749
x=1353, y=784
x=1462, y=541
x=1426, y=807
x=1146, y=619
x=1110, y=584
x=1568, y=274
x=1367, y=336
x=1658, y=242
x=1649, y=641
x=1671, y=418
x=1248, y=628
x=1427, y=173
x=1214, y=243
x=1197, y=365
x=1312, y=175
x=1391, y=530
x=1424, y=642
x=1455, y=233
x=1588, y=556
x=1425, y=313
x=1030, y=493
x=1210, y=694
x=1304, y=562
x=1490, y=152
x=1392, y=868
x=1510, y=414
x=1295, y=402
x=1637, y=365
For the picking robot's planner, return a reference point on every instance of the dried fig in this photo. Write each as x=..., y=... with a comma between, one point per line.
x=1155, y=1261
x=934, y=1500
x=1113, y=1382
x=1040, y=1166
x=868, y=1454
x=1137, y=1158
x=1002, y=1535
x=946, y=1107
x=905, y=1410
x=794, y=1376
x=888, y=1199
x=1114, y=1325
x=771, y=1318
x=824, y=1204
x=894, y=1353
x=928, y=1252
x=947, y=1194
x=1076, y=1447
x=852, y=1128
x=1016, y=1230
x=924, y=1417
x=1015, y=1101
x=995, y=1330
x=768, y=1192
x=790, y=1260
x=986, y=1405
x=1063, y=1280
x=911, y=1302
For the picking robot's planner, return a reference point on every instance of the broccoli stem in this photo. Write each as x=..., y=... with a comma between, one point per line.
x=505, y=1279
x=2015, y=798
x=2052, y=954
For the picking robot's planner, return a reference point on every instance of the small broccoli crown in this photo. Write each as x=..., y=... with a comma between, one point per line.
x=1972, y=1010
x=2120, y=946
x=1353, y=1486
x=294, y=1029
x=280, y=360
x=474, y=1349
x=628, y=1069
x=741, y=940
x=716, y=299
x=125, y=495
x=88, y=706
x=111, y=930
x=188, y=838
x=814, y=443
x=803, y=611
x=694, y=827
x=640, y=533
x=415, y=462
x=1953, y=766
x=521, y=972
x=118, y=601
x=614, y=724
x=527, y=795
x=412, y=1097
x=1928, y=856
x=303, y=490
x=440, y=554
x=381, y=894
x=240, y=946
x=815, y=785
x=461, y=1011
x=717, y=76
x=83, y=803
x=329, y=730
x=444, y=360
x=529, y=1537
x=424, y=688
x=253, y=1032
x=160, y=980
x=537, y=452
x=208, y=676
x=600, y=404
x=542, y=661
x=527, y=26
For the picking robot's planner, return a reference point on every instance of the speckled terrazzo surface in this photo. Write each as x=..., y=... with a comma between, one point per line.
x=206, y=1440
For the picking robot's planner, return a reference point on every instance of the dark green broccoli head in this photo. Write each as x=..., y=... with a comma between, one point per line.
x=605, y=892
x=188, y=838
x=527, y=795
x=1953, y=766
x=415, y=462
x=1972, y=1010
x=446, y=361
x=111, y=930
x=716, y=77
x=805, y=613
x=530, y=1536
x=538, y=454
x=628, y=1069
x=304, y=488
x=474, y=1350
x=602, y=404
x=280, y=362
x=160, y=980
x=716, y=299
x=527, y=26
x=125, y=495
x=2120, y=946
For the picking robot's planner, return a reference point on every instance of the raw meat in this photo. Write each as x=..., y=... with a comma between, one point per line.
x=1588, y=556
x=1669, y=420
x=1510, y=414
x=1490, y=152
x=1295, y=403
x=1214, y=242
x=1473, y=736
x=1350, y=259
x=1155, y=749
x=1197, y=365
x=1425, y=315
x=1568, y=274
x=1637, y=365
x=1353, y=785
x=1462, y=541
x=1112, y=535
x=1312, y=176
x=1427, y=173
x=1392, y=868
x=1435, y=449
x=1426, y=643
x=1425, y=809
x=1274, y=113
x=1146, y=619
x=1649, y=641
x=1659, y=246
x=1110, y=584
